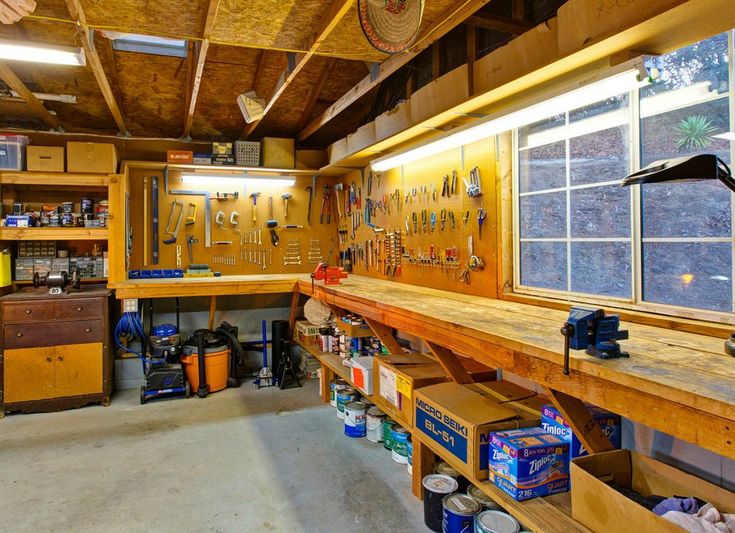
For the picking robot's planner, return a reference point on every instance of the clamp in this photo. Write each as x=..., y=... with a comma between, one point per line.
x=473, y=186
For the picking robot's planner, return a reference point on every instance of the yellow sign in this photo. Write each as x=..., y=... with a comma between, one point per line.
x=403, y=386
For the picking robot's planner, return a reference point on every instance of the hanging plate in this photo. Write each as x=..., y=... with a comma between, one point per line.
x=390, y=26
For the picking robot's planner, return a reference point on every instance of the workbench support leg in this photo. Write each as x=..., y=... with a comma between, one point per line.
x=385, y=334
x=327, y=377
x=423, y=465
x=450, y=363
x=580, y=420
x=212, y=311
x=295, y=298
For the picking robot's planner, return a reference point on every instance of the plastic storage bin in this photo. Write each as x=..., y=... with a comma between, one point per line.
x=12, y=151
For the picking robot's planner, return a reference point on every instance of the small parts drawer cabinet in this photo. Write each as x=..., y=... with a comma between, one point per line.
x=55, y=350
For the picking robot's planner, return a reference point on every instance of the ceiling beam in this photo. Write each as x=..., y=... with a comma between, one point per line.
x=445, y=23
x=93, y=59
x=196, y=83
x=314, y=93
x=501, y=24
x=296, y=62
x=15, y=83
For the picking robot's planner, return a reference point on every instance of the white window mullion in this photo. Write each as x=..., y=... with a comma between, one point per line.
x=636, y=251
x=567, y=158
x=731, y=107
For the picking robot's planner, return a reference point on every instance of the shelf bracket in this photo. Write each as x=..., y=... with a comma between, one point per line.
x=450, y=363
x=385, y=334
x=580, y=420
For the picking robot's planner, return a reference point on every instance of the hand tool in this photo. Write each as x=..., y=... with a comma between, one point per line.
x=254, y=196
x=286, y=197
x=453, y=187
x=326, y=205
x=370, y=183
x=415, y=219
x=222, y=242
x=481, y=215
x=272, y=225
x=424, y=193
x=190, y=242
x=191, y=216
x=207, y=212
x=445, y=186
x=408, y=227
x=466, y=218
x=473, y=186
x=291, y=226
x=145, y=221
x=226, y=195
x=594, y=332
x=423, y=220
x=235, y=221
x=338, y=187
x=260, y=240
x=292, y=255
x=443, y=218
x=154, y=218
x=432, y=220
x=315, y=251
x=270, y=207
x=178, y=256
x=175, y=231
x=451, y=218
x=308, y=209
x=219, y=219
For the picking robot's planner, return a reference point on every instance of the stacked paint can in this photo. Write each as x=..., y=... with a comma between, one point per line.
x=355, y=420
x=458, y=513
x=399, y=448
x=334, y=387
x=483, y=499
x=388, y=433
x=410, y=457
x=445, y=468
x=374, y=424
x=325, y=339
x=345, y=396
x=496, y=522
x=436, y=488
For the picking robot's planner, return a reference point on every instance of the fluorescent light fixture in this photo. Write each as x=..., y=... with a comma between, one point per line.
x=216, y=179
x=623, y=78
x=41, y=53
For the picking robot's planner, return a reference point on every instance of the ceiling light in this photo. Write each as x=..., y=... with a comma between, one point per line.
x=41, y=53
x=215, y=179
x=571, y=96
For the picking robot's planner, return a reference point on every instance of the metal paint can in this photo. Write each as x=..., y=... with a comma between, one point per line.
x=388, y=433
x=445, y=468
x=355, y=420
x=483, y=499
x=67, y=219
x=54, y=220
x=458, y=514
x=399, y=452
x=409, y=466
x=496, y=522
x=86, y=205
x=334, y=387
x=67, y=207
x=345, y=396
x=436, y=487
x=374, y=424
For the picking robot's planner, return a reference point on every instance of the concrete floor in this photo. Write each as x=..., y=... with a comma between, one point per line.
x=241, y=460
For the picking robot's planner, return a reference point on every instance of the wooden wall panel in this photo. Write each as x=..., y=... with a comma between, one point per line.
x=426, y=173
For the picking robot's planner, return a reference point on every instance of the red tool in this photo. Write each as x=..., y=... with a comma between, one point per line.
x=330, y=274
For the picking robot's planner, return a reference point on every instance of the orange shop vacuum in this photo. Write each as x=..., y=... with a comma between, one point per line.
x=216, y=349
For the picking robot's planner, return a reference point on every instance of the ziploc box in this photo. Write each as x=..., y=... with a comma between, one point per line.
x=528, y=463
x=553, y=422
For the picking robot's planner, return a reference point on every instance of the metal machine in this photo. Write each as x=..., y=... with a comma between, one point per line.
x=594, y=332
x=164, y=375
x=57, y=281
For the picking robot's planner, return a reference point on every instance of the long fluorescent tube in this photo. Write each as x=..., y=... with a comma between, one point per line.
x=42, y=53
x=214, y=179
x=579, y=95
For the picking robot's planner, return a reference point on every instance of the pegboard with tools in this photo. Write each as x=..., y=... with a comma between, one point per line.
x=426, y=223
x=229, y=225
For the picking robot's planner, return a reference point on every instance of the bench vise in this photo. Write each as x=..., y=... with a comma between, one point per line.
x=330, y=275
x=594, y=332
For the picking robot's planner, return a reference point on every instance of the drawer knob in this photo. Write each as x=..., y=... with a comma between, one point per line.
x=48, y=359
x=28, y=311
x=79, y=308
x=88, y=330
x=19, y=334
x=60, y=358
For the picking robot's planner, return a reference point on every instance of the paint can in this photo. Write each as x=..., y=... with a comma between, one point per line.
x=67, y=219
x=345, y=396
x=67, y=207
x=445, y=468
x=355, y=420
x=496, y=522
x=483, y=499
x=458, y=513
x=334, y=387
x=374, y=424
x=436, y=487
x=409, y=466
x=399, y=451
x=86, y=205
x=387, y=433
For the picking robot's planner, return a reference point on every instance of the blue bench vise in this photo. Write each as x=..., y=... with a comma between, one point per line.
x=594, y=332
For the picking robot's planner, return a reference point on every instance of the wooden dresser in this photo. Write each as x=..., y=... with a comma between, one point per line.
x=55, y=350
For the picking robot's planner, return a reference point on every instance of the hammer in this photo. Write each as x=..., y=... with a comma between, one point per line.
x=286, y=196
x=338, y=187
x=308, y=210
x=272, y=225
x=254, y=196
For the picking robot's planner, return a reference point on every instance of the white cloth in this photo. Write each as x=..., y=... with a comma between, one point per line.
x=707, y=520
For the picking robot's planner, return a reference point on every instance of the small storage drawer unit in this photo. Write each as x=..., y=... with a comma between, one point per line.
x=56, y=352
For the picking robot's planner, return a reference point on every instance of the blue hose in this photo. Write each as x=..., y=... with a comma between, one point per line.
x=130, y=327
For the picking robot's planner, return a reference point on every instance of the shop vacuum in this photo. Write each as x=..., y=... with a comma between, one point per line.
x=221, y=352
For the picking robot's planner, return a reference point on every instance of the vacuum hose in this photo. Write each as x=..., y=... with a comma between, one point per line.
x=237, y=354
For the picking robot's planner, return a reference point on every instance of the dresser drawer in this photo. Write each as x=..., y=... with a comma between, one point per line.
x=27, y=311
x=52, y=334
x=81, y=308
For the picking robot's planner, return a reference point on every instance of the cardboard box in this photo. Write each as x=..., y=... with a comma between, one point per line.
x=393, y=121
x=634, y=471
x=337, y=150
x=222, y=148
x=45, y=158
x=363, y=137
x=311, y=159
x=443, y=93
x=398, y=376
x=362, y=374
x=528, y=463
x=354, y=330
x=278, y=152
x=306, y=332
x=91, y=157
x=184, y=157
x=456, y=421
x=552, y=421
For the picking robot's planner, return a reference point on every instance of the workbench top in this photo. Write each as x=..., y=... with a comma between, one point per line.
x=214, y=286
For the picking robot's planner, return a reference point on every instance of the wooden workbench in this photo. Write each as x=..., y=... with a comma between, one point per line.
x=215, y=286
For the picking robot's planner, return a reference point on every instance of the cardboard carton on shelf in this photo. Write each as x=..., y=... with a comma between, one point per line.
x=99, y=158
x=337, y=150
x=45, y=158
x=278, y=152
x=306, y=332
x=439, y=95
x=393, y=121
x=311, y=159
x=363, y=137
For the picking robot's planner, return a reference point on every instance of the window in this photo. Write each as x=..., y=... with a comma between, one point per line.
x=578, y=232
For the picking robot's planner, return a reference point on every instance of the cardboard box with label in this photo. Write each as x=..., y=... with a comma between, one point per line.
x=184, y=157
x=45, y=158
x=306, y=332
x=552, y=421
x=362, y=373
x=91, y=157
x=592, y=493
x=457, y=421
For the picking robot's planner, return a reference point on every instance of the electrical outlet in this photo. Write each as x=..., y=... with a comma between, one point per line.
x=130, y=305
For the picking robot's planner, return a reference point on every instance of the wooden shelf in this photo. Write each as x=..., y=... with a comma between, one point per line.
x=53, y=234
x=334, y=362
x=88, y=281
x=223, y=169
x=55, y=179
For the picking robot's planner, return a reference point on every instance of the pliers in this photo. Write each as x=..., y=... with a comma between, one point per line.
x=443, y=218
x=453, y=188
x=445, y=187
x=415, y=219
x=423, y=220
x=451, y=218
x=481, y=215
x=432, y=220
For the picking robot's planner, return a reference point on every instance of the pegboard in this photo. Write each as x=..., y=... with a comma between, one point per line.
x=421, y=176
x=243, y=205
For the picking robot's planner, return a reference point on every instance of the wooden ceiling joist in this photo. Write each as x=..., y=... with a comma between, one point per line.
x=196, y=82
x=501, y=24
x=336, y=11
x=93, y=59
x=445, y=23
x=15, y=83
x=314, y=93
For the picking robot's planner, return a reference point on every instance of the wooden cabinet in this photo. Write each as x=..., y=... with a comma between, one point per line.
x=56, y=351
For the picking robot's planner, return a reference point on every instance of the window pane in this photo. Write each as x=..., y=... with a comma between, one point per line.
x=600, y=212
x=601, y=156
x=544, y=215
x=543, y=167
x=544, y=264
x=688, y=274
x=601, y=268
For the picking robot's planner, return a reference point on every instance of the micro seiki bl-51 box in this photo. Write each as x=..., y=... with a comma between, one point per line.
x=528, y=463
x=553, y=422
